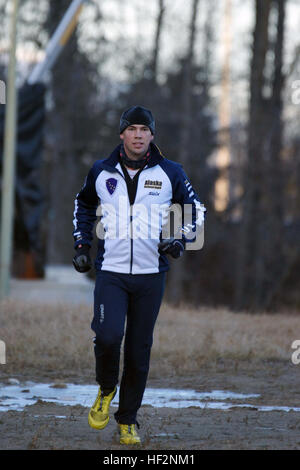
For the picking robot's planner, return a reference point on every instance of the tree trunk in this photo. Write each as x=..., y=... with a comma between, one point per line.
x=178, y=272
x=70, y=132
x=186, y=94
x=261, y=261
x=274, y=248
x=159, y=23
x=223, y=154
x=249, y=262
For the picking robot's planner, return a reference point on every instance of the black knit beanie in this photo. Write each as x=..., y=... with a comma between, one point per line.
x=137, y=115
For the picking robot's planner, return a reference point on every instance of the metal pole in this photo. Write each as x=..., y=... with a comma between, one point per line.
x=9, y=157
x=57, y=41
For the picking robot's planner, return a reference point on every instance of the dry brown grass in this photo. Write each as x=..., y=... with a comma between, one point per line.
x=187, y=338
x=58, y=337
x=47, y=336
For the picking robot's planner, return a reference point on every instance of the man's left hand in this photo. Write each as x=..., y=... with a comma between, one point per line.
x=171, y=246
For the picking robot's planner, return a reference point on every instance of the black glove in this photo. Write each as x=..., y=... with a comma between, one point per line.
x=82, y=261
x=171, y=246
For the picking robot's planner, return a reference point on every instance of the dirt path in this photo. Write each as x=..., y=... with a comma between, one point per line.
x=51, y=426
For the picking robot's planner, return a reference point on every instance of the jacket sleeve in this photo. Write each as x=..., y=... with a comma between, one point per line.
x=86, y=203
x=193, y=211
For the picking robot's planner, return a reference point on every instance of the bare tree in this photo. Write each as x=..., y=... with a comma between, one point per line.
x=260, y=255
x=248, y=263
x=157, y=40
x=275, y=177
x=177, y=276
x=223, y=153
x=71, y=131
x=186, y=92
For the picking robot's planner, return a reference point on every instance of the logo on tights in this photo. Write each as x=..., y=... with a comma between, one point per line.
x=101, y=313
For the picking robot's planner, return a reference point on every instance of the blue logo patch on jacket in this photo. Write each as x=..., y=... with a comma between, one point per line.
x=111, y=185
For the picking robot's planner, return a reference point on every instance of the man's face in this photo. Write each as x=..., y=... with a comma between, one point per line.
x=136, y=139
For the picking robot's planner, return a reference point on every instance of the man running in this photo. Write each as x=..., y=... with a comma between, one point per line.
x=131, y=262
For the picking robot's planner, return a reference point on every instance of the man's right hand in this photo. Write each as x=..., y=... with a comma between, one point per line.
x=82, y=261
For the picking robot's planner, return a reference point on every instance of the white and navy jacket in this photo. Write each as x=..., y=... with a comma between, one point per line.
x=131, y=220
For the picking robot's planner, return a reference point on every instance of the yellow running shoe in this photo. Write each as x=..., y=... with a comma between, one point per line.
x=99, y=413
x=128, y=434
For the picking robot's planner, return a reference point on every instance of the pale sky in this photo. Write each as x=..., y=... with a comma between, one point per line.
x=130, y=23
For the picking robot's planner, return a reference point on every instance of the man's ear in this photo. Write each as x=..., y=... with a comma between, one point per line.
x=152, y=137
x=121, y=137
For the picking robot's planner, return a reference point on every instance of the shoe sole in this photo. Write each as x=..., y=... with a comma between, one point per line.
x=96, y=425
x=127, y=441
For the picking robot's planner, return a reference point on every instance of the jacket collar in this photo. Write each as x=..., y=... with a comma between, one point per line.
x=111, y=162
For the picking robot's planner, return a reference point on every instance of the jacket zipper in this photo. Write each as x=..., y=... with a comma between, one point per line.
x=131, y=182
x=131, y=240
x=130, y=219
x=131, y=228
